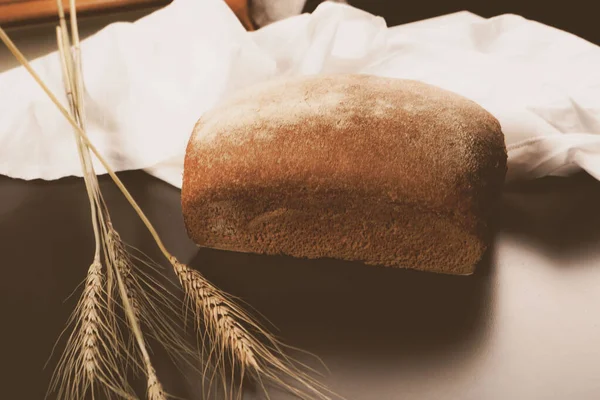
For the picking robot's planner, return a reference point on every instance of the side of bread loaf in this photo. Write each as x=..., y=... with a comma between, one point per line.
x=355, y=167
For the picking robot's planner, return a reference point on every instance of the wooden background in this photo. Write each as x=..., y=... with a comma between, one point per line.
x=19, y=12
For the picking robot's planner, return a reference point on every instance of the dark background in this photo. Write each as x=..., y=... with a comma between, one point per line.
x=579, y=17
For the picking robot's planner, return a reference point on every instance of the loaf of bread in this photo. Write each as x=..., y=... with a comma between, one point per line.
x=355, y=167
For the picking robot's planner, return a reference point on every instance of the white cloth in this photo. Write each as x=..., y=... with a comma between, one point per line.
x=148, y=82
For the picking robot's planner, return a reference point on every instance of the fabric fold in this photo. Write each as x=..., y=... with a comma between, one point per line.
x=148, y=82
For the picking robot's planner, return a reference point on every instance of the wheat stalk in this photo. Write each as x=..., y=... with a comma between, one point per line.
x=88, y=362
x=232, y=333
x=114, y=258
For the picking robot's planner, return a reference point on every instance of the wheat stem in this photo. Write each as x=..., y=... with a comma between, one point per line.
x=91, y=189
x=17, y=53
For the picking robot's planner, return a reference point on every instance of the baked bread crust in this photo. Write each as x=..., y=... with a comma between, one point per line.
x=355, y=167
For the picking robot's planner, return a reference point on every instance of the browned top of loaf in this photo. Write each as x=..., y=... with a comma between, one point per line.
x=402, y=140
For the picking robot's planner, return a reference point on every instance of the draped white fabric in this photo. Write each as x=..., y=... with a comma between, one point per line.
x=148, y=82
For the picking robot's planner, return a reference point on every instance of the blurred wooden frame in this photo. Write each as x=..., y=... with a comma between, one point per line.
x=25, y=12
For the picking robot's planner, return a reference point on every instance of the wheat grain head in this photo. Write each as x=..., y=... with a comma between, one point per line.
x=237, y=341
x=130, y=297
x=88, y=364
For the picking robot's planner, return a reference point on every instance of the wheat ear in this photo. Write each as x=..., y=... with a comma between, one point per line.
x=239, y=339
x=88, y=362
x=272, y=363
x=154, y=388
x=157, y=308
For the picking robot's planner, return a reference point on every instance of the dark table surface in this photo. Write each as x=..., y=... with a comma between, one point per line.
x=525, y=326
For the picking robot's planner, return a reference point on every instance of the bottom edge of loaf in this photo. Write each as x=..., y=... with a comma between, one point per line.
x=384, y=234
x=437, y=246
